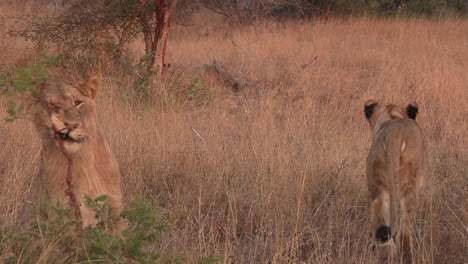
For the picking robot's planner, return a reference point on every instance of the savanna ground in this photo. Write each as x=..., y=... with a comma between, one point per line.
x=278, y=178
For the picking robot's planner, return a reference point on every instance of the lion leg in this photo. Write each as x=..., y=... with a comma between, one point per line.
x=115, y=201
x=88, y=216
x=409, y=205
x=404, y=238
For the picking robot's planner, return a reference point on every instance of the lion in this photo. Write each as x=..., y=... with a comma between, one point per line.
x=66, y=110
x=394, y=177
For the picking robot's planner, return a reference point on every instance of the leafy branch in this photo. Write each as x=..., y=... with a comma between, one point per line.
x=23, y=81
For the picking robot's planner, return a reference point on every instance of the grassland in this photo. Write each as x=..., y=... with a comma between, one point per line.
x=280, y=178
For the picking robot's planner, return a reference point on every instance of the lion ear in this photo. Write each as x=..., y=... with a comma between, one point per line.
x=370, y=107
x=412, y=110
x=90, y=86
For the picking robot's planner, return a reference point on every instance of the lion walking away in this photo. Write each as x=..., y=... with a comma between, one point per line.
x=63, y=112
x=394, y=178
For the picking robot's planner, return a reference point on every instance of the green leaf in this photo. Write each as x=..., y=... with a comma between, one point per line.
x=25, y=79
x=51, y=60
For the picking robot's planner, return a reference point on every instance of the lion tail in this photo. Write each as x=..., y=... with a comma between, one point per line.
x=393, y=154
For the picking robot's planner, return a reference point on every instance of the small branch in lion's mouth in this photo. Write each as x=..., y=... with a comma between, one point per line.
x=69, y=192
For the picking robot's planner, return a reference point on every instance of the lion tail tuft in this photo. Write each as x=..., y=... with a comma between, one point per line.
x=383, y=234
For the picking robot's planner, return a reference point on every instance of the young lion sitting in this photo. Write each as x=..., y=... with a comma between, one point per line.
x=394, y=177
x=63, y=113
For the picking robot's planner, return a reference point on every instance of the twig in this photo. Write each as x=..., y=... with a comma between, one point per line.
x=24, y=118
x=198, y=134
x=69, y=191
x=44, y=213
x=304, y=66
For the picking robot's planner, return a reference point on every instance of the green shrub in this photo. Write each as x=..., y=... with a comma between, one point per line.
x=25, y=80
x=52, y=237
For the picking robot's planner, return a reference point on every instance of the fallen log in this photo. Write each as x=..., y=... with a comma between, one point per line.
x=236, y=82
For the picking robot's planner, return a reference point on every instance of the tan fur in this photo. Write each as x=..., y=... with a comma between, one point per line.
x=394, y=176
x=69, y=108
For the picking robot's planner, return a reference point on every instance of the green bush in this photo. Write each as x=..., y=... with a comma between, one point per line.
x=52, y=236
x=25, y=80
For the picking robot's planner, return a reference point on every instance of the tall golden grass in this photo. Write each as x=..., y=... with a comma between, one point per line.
x=281, y=178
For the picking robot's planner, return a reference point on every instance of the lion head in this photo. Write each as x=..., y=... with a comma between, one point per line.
x=377, y=114
x=67, y=109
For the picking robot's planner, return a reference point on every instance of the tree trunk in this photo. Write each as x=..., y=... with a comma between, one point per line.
x=153, y=34
x=161, y=9
x=166, y=35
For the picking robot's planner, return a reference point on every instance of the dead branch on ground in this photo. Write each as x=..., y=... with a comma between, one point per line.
x=236, y=82
x=304, y=66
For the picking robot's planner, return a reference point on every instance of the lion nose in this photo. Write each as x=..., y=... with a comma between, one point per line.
x=71, y=126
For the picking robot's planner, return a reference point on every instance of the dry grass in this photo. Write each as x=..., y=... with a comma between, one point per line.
x=280, y=179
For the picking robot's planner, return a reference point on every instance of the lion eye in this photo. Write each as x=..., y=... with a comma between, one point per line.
x=77, y=102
